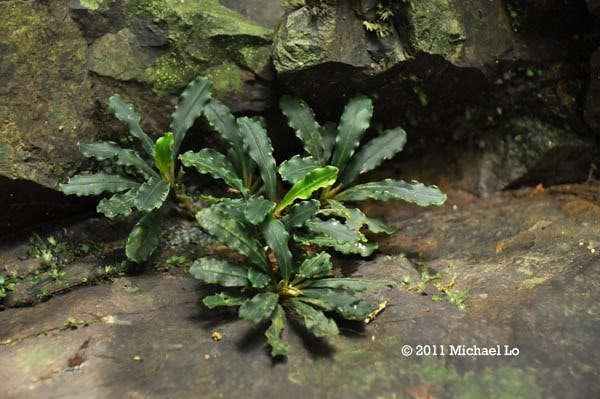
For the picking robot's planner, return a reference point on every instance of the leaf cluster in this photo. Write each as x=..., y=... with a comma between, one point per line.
x=277, y=231
x=148, y=177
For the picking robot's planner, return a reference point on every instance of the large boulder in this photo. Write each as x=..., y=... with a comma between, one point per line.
x=448, y=71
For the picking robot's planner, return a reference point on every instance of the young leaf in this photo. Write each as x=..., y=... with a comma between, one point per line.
x=277, y=239
x=260, y=307
x=219, y=272
x=273, y=333
x=95, y=184
x=257, y=209
x=389, y=189
x=360, y=248
x=316, y=266
x=318, y=178
x=163, y=157
x=125, y=113
x=120, y=204
x=233, y=234
x=332, y=228
x=346, y=283
x=144, y=238
x=109, y=150
x=261, y=151
x=353, y=124
x=295, y=168
x=314, y=320
x=258, y=279
x=214, y=163
x=223, y=299
x=191, y=105
x=349, y=307
x=329, y=136
x=152, y=194
x=300, y=213
x=302, y=119
x=372, y=154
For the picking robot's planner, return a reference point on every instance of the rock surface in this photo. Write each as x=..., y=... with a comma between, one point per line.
x=462, y=73
x=524, y=264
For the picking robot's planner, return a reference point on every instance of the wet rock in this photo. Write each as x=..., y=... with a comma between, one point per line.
x=592, y=100
x=451, y=73
x=521, y=262
x=528, y=152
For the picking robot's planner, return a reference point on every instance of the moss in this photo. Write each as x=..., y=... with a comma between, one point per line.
x=440, y=37
x=95, y=5
x=214, y=18
x=169, y=74
x=226, y=78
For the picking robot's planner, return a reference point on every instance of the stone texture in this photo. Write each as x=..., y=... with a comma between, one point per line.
x=524, y=260
x=455, y=74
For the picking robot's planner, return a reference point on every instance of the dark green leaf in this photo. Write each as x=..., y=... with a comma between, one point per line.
x=357, y=247
x=314, y=320
x=329, y=136
x=120, y=156
x=296, y=168
x=355, y=218
x=95, y=184
x=416, y=193
x=125, y=113
x=273, y=333
x=163, y=157
x=378, y=226
x=346, y=305
x=257, y=209
x=342, y=233
x=233, y=234
x=277, y=239
x=261, y=151
x=300, y=213
x=152, y=194
x=223, y=299
x=260, y=307
x=144, y=238
x=224, y=122
x=315, y=180
x=316, y=266
x=353, y=124
x=191, y=105
x=214, y=163
x=346, y=283
x=258, y=279
x=219, y=272
x=120, y=204
x=302, y=119
x=372, y=154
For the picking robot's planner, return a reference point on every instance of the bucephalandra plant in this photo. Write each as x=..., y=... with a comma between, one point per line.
x=147, y=179
x=276, y=233
x=277, y=276
x=341, y=148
